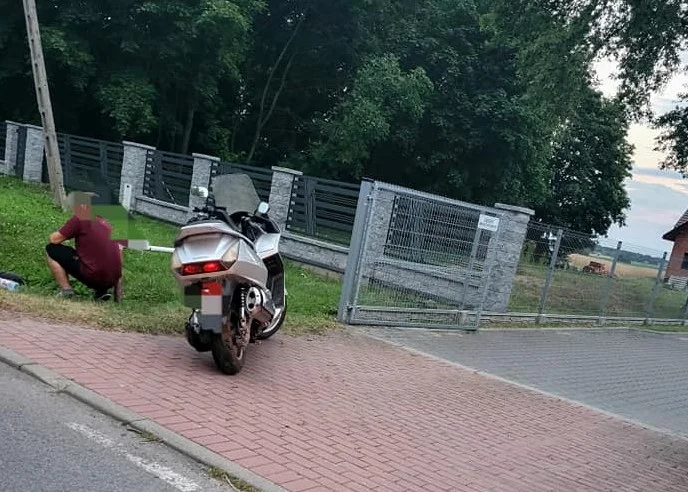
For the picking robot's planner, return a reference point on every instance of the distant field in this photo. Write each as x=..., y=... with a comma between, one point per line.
x=623, y=270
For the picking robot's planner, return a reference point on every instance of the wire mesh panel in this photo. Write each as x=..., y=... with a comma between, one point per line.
x=578, y=283
x=568, y=274
x=261, y=177
x=168, y=177
x=418, y=259
x=533, y=267
x=323, y=209
x=635, y=282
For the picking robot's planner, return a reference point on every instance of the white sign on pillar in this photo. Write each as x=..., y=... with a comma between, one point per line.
x=126, y=199
x=488, y=223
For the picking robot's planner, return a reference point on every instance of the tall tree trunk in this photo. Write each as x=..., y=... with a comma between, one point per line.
x=262, y=116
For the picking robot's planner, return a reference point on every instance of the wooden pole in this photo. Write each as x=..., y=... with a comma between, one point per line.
x=40, y=76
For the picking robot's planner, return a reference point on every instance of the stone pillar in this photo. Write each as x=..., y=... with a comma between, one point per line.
x=507, y=256
x=281, y=194
x=133, y=173
x=34, y=154
x=202, y=168
x=378, y=225
x=11, y=144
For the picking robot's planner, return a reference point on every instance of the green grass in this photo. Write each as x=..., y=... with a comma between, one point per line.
x=233, y=482
x=581, y=294
x=152, y=299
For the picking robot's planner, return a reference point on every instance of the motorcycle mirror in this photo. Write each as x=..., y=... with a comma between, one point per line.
x=201, y=191
x=263, y=208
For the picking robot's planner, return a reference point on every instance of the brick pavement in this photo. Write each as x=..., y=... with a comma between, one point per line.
x=343, y=412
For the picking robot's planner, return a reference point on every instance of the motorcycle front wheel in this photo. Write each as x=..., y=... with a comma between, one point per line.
x=228, y=356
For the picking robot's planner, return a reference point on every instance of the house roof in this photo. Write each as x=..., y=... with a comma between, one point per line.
x=680, y=227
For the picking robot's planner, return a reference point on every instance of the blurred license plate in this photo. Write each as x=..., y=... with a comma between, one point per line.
x=211, y=298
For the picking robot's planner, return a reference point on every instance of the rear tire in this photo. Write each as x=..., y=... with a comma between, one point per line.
x=228, y=357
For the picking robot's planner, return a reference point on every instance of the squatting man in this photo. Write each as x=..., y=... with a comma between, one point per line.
x=96, y=260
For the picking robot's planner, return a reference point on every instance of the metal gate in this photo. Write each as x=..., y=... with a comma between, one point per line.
x=418, y=260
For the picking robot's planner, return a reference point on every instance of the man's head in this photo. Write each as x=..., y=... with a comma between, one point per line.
x=80, y=203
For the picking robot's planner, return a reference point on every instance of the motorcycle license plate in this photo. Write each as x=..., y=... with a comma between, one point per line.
x=211, y=298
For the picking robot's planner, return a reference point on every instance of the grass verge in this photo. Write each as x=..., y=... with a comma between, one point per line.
x=233, y=482
x=152, y=300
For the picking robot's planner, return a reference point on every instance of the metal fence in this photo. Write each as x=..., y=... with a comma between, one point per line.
x=323, y=209
x=418, y=259
x=88, y=164
x=261, y=177
x=21, y=152
x=168, y=177
x=567, y=274
x=3, y=138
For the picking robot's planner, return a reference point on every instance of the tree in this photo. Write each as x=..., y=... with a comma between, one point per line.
x=590, y=161
x=381, y=95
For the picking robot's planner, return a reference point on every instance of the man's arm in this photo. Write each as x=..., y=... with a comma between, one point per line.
x=57, y=238
x=66, y=232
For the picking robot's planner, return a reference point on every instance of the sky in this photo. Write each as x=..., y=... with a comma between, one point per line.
x=658, y=198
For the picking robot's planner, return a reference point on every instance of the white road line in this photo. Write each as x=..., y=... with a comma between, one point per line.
x=164, y=473
x=92, y=434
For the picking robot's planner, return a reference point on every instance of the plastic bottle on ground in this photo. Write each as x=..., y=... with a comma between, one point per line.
x=9, y=285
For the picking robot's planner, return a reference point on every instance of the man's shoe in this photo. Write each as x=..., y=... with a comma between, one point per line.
x=102, y=296
x=66, y=293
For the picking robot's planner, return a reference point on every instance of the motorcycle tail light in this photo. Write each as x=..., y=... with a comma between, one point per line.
x=207, y=267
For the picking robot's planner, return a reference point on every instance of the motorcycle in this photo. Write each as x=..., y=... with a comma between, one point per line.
x=227, y=261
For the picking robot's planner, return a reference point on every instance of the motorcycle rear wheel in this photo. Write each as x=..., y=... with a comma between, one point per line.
x=228, y=357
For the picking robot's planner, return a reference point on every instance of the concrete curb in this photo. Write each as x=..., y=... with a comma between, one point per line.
x=132, y=419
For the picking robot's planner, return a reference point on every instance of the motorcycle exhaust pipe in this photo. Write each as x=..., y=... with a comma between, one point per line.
x=259, y=306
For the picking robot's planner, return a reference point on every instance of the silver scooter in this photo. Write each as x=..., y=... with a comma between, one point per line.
x=227, y=261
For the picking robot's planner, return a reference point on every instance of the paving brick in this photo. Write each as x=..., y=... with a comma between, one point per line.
x=350, y=413
x=301, y=485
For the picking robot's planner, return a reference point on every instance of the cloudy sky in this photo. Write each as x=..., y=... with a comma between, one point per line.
x=658, y=198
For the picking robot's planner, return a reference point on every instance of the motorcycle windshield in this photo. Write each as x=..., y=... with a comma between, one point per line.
x=235, y=192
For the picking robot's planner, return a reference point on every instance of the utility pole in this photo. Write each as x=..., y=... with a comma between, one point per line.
x=40, y=77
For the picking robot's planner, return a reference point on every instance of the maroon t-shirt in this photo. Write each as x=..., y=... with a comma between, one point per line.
x=99, y=255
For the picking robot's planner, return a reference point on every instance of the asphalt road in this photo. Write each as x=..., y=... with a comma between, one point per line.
x=50, y=442
x=639, y=375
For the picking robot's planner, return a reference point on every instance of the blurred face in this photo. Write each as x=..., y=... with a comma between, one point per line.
x=83, y=211
x=81, y=205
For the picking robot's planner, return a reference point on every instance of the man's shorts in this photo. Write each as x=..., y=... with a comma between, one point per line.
x=67, y=258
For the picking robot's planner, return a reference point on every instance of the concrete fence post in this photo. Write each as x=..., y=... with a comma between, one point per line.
x=34, y=154
x=507, y=257
x=134, y=160
x=11, y=143
x=202, y=169
x=281, y=191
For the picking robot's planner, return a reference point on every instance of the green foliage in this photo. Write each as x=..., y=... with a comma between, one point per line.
x=473, y=99
x=382, y=94
x=590, y=162
x=128, y=99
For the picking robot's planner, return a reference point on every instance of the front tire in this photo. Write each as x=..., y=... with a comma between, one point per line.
x=228, y=357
